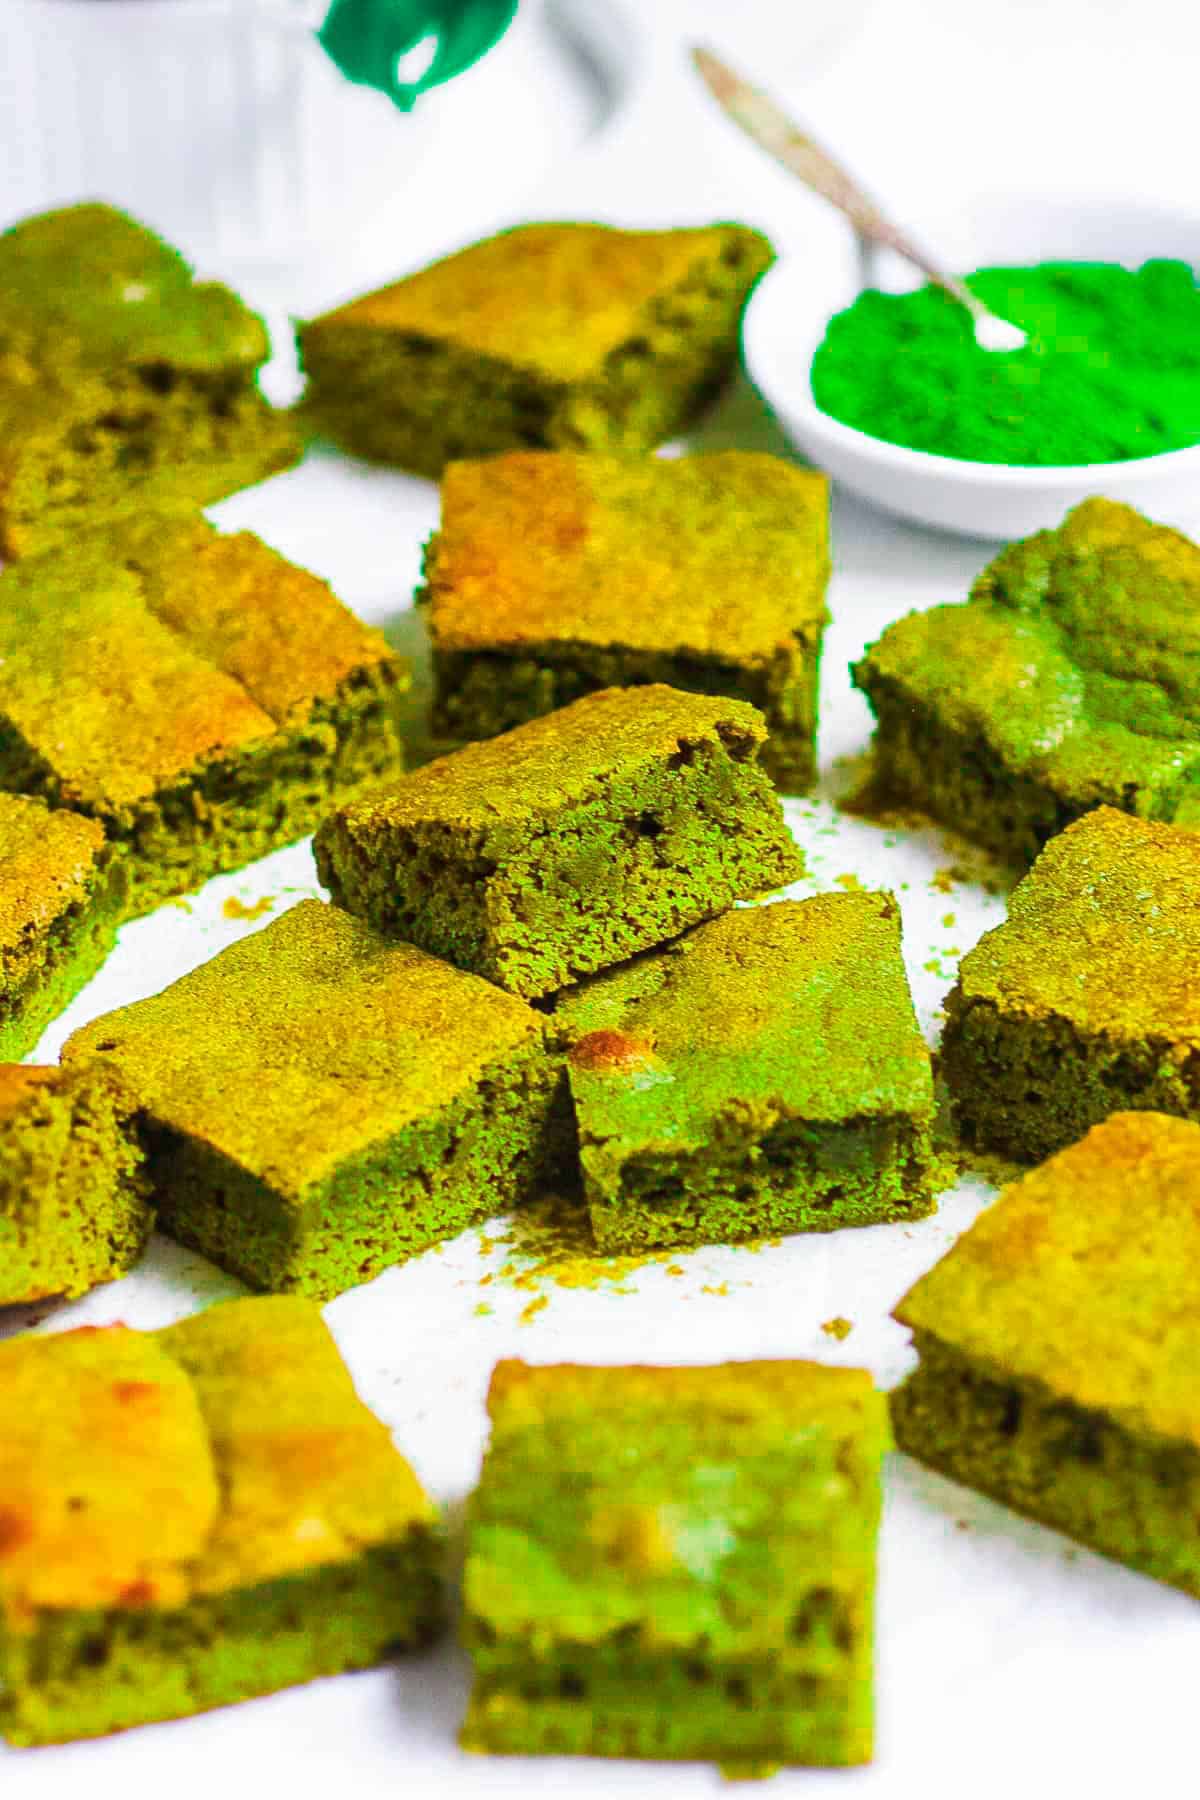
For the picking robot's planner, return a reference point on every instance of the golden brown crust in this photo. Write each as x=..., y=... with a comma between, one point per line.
x=47, y=864
x=360, y=1035
x=230, y=1449
x=721, y=555
x=523, y=1393
x=278, y=630
x=1085, y=1277
x=211, y=645
x=610, y=1050
x=555, y=297
x=1104, y=931
x=19, y=1080
x=110, y=1488
x=555, y=759
x=161, y=708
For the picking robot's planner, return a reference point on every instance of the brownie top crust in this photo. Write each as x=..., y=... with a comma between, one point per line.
x=755, y=1395
x=209, y=644
x=1083, y=646
x=551, y=298
x=307, y=1043
x=272, y=626
x=1084, y=1277
x=685, y=1506
x=160, y=711
x=534, y=770
x=228, y=1450
x=723, y=555
x=47, y=864
x=91, y=285
x=797, y=1010
x=1104, y=930
x=19, y=1082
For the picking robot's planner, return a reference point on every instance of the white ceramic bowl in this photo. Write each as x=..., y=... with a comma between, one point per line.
x=786, y=321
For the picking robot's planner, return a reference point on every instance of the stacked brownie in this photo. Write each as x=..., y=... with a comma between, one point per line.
x=542, y=965
x=208, y=1512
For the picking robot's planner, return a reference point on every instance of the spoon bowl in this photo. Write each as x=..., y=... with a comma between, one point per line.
x=792, y=305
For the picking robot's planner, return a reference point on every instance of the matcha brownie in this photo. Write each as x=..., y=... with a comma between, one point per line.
x=1069, y=680
x=676, y=1563
x=239, y=697
x=551, y=336
x=195, y=1516
x=553, y=575
x=74, y=1206
x=763, y=1074
x=121, y=376
x=61, y=892
x=570, y=843
x=1085, y=1001
x=319, y=1103
x=1059, y=1343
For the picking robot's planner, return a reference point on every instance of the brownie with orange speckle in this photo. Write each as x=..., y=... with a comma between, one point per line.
x=554, y=574
x=762, y=1074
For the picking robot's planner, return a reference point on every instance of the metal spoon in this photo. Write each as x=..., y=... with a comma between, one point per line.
x=762, y=120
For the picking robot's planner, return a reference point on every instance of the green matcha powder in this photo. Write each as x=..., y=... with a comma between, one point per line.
x=1111, y=370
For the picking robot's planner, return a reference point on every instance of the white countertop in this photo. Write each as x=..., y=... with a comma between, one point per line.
x=1008, y=1661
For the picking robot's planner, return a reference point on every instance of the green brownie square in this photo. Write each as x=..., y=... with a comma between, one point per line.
x=121, y=378
x=239, y=696
x=319, y=1103
x=1085, y=1001
x=553, y=575
x=551, y=336
x=569, y=843
x=74, y=1201
x=763, y=1074
x=676, y=1563
x=62, y=890
x=1070, y=679
x=1059, y=1342
x=194, y=1516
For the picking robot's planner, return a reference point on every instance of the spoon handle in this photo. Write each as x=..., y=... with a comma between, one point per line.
x=762, y=120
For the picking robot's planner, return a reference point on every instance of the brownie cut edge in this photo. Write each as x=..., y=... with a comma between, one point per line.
x=570, y=843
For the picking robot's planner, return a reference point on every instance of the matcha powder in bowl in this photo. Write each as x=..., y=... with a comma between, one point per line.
x=1110, y=372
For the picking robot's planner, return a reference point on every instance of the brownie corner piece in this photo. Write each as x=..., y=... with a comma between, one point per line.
x=1058, y=1343
x=320, y=1103
x=62, y=891
x=547, y=580
x=571, y=842
x=615, y=1605
x=74, y=1200
x=719, y=1095
x=548, y=335
x=1082, y=1002
x=240, y=698
x=329, y=682
x=121, y=376
x=196, y=1516
x=1061, y=684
